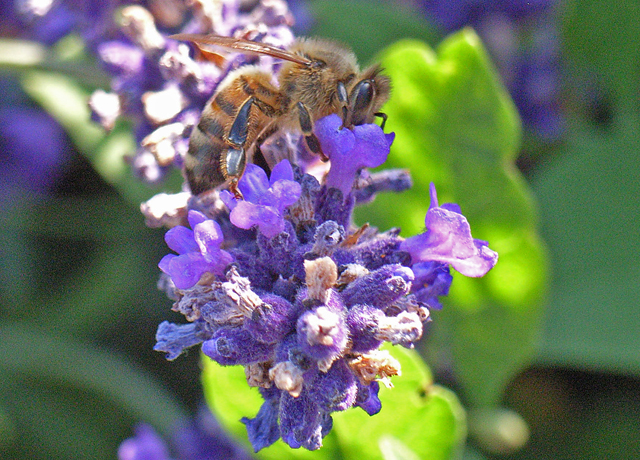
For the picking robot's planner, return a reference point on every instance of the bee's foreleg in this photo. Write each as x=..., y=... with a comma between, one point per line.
x=343, y=98
x=306, y=126
x=384, y=118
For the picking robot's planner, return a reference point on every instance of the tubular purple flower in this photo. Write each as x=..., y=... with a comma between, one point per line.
x=448, y=240
x=264, y=199
x=365, y=146
x=432, y=281
x=367, y=398
x=230, y=346
x=199, y=251
x=263, y=430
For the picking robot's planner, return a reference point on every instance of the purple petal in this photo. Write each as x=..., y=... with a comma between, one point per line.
x=267, y=218
x=281, y=171
x=350, y=151
x=254, y=183
x=185, y=270
x=195, y=218
x=208, y=236
x=333, y=140
x=284, y=193
x=180, y=239
x=448, y=240
x=228, y=199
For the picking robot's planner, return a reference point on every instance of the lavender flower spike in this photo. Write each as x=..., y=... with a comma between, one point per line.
x=264, y=199
x=448, y=240
x=199, y=251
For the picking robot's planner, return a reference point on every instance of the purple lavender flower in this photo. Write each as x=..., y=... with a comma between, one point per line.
x=309, y=299
x=264, y=199
x=198, y=439
x=199, y=251
x=448, y=240
x=522, y=37
x=351, y=150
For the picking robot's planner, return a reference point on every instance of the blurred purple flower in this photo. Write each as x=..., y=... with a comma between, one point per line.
x=34, y=149
x=522, y=38
x=199, y=439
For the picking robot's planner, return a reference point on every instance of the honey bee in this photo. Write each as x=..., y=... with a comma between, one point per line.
x=318, y=77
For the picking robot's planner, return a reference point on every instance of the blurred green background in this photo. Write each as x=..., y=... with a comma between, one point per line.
x=553, y=334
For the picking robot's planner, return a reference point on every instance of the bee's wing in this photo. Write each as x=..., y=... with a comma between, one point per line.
x=243, y=46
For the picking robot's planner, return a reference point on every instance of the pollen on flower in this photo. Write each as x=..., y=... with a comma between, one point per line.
x=321, y=276
x=377, y=365
x=165, y=210
x=287, y=377
x=405, y=328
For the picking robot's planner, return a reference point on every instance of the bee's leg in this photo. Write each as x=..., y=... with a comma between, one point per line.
x=383, y=116
x=236, y=162
x=266, y=162
x=235, y=157
x=240, y=127
x=306, y=126
x=343, y=98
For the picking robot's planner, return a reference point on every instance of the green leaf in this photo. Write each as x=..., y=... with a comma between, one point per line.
x=455, y=125
x=589, y=198
x=427, y=419
x=68, y=56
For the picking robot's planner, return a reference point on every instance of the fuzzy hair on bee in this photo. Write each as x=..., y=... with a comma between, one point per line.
x=318, y=78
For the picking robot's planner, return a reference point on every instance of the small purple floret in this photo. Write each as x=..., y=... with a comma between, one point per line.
x=198, y=251
x=433, y=280
x=264, y=199
x=448, y=240
x=366, y=146
x=263, y=430
x=173, y=339
x=231, y=346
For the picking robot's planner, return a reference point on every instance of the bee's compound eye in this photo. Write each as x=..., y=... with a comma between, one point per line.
x=361, y=99
x=236, y=161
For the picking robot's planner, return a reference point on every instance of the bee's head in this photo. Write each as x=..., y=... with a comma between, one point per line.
x=367, y=95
